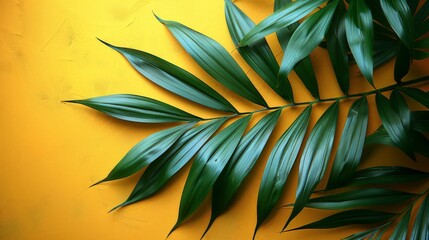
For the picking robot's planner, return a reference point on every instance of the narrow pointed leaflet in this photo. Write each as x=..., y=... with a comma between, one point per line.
x=135, y=108
x=401, y=229
x=360, y=36
x=215, y=60
x=304, y=68
x=387, y=175
x=315, y=158
x=242, y=161
x=421, y=224
x=279, y=165
x=306, y=38
x=159, y=172
x=281, y=18
x=351, y=144
x=259, y=56
x=174, y=78
x=207, y=166
x=146, y=151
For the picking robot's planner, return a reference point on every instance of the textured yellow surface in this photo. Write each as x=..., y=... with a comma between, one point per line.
x=51, y=152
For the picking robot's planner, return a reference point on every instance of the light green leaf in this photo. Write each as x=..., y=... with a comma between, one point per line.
x=259, y=56
x=421, y=224
x=279, y=165
x=207, y=166
x=281, y=18
x=393, y=124
x=146, y=151
x=350, y=217
x=174, y=78
x=401, y=229
x=159, y=172
x=135, y=108
x=387, y=175
x=358, y=198
x=359, y=32
x=315, y=158
x=337, y=47
x=215, y=60
x=242, y=161
x=399, y=16
x=306, y=38
x=351, y=144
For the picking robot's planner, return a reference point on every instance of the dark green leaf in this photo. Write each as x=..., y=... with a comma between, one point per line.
x=135, y=108
x=315, y=158
x=402, y=63
x=413, y=5
x=174, y=78
x=358, y=198
x=259, y=56
x=359, y=32
x=420, y=120
x=279, y=165
x=422, y=28
x=337, y=47
x=401, y=229
x=350, y=217
x=384, y=50
x=387, y=175
x=393, y=124
x=159, y=172
x=422, y=14
x=400, y=19
x=306, y=38
x=146, y=151
x=380, y=136
x=215, y=60
x=351, y=143
x=281, y=18
x=421, y=224
x=363, y=235
x=399, y=105
x=242, y=161
x=304, y=68
x=417, y=94
x=207, y=166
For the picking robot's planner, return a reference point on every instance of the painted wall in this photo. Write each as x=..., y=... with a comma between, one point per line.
x=51, y=151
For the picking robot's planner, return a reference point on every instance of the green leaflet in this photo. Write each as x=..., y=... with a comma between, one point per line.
x=281, y=18
x=215, y=60
x=159, y=172
x=359, y=32
x=380, y=136
x=135, y=108
x=401, y=229
x=207, y=166
x=315, y=158
x=279, y=165
x=350, y=217
x=369, y=234
x=337, y=47
x=399, y=16
x=304, y=68
x=420, y=120
x=358, y=198
x=306, y=38
x=402, y=63
x=259, y=56
x=242, y=161
x=387, y=175
x=393, y=124
x=399, y=105
x=413, y=5
x=417, y=94
x=146, y=151
x=351, y=144
x=422, y=14
x=174, y=79
x=421, y=224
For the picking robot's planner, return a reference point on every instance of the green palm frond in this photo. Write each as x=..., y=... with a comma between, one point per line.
x=365, y=33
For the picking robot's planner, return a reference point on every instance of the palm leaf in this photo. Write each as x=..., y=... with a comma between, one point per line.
x=315, y=158
x=215, y=60
x=401, y=229
x=421, y=225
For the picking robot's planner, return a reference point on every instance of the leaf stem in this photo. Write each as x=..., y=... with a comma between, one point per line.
x=322, y=100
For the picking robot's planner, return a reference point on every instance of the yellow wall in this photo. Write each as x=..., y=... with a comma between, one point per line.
x=51, y=152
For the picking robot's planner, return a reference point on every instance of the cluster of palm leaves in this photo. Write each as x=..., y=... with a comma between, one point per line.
x=368, y=33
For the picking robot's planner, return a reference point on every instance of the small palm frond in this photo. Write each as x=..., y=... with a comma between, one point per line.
x=367, y=33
